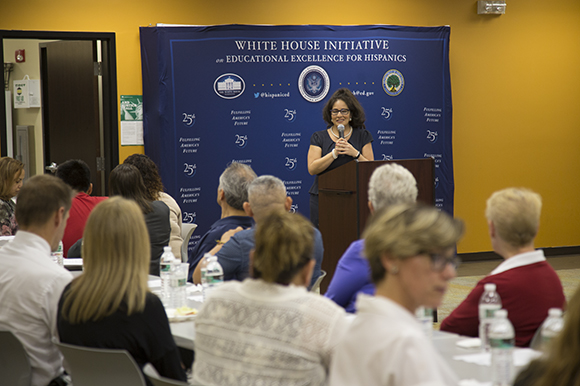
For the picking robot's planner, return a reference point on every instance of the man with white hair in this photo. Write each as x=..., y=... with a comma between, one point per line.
x=231, y=195
x=265, y=195
x=390, y=184
x=527, y=285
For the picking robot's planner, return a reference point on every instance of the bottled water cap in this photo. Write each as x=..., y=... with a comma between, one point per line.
x=555, y=312
x=501, y=314
x=489, y=287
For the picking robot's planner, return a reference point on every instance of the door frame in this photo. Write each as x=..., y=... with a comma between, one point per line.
x=110, y=112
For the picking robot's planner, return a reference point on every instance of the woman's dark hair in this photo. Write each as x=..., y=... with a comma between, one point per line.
x=149, y=172
x=357, y=113
x=126, y=181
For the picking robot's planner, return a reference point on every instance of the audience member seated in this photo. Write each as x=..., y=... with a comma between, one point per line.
x=30, y=282
x=11, y=177
x=410, y=249
x=559, y=366
x=76, y=174
x=268, y=330
x=155, y=192
x=231, y=195
x=265, y=194
x=389, y=184
x=527, y=284
x=126, y=181
x=109, y=305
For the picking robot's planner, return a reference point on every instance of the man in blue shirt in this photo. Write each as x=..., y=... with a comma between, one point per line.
x=232, y=193
x=265, y=194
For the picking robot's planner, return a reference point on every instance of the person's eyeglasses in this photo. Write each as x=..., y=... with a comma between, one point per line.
x=439, y=262
x=343, y=111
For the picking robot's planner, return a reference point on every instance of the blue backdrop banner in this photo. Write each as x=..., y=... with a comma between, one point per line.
x=254, y=94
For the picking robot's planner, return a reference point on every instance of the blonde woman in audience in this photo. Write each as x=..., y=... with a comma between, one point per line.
x=411, y=253
x=109, y=305
x=561, y=365
x=11, y=177
x=268, y=330
x=526, y=283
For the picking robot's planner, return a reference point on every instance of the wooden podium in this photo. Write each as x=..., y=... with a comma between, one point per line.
x=343, y=204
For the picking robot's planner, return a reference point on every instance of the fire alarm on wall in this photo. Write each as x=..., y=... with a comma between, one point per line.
x=19, y=56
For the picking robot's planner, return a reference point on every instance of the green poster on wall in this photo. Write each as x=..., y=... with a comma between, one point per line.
x=131, y=120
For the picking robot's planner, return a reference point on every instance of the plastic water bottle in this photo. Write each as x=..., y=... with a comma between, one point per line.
x=488, y=304
x=57, y=256
x=212, y=274
x=178, y=283
x=165, y=266
x=552, y=326
x=501, y=340
x=425, y=317
x=203, y=270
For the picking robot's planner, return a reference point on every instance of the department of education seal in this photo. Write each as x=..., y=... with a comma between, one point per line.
x=229, y=86
x=393, y=82
x=313, y=83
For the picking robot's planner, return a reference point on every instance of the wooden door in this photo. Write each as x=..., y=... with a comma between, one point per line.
x=71, y=118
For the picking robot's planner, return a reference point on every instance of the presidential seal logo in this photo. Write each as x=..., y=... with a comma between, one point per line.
x=229, y=86
x=313, y=83
x=393, y=82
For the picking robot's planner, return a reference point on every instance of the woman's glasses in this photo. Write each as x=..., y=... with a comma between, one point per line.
x=343, y=111
x=439, y=262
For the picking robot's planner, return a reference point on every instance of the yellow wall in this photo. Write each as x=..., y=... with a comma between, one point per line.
x=515, y=80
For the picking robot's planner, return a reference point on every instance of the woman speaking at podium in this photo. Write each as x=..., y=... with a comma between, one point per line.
x=345, y=139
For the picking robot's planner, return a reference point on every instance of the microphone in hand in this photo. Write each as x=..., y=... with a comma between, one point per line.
x=340, y=131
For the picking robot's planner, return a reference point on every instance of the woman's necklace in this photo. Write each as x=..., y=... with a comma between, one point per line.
x=345, y=136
